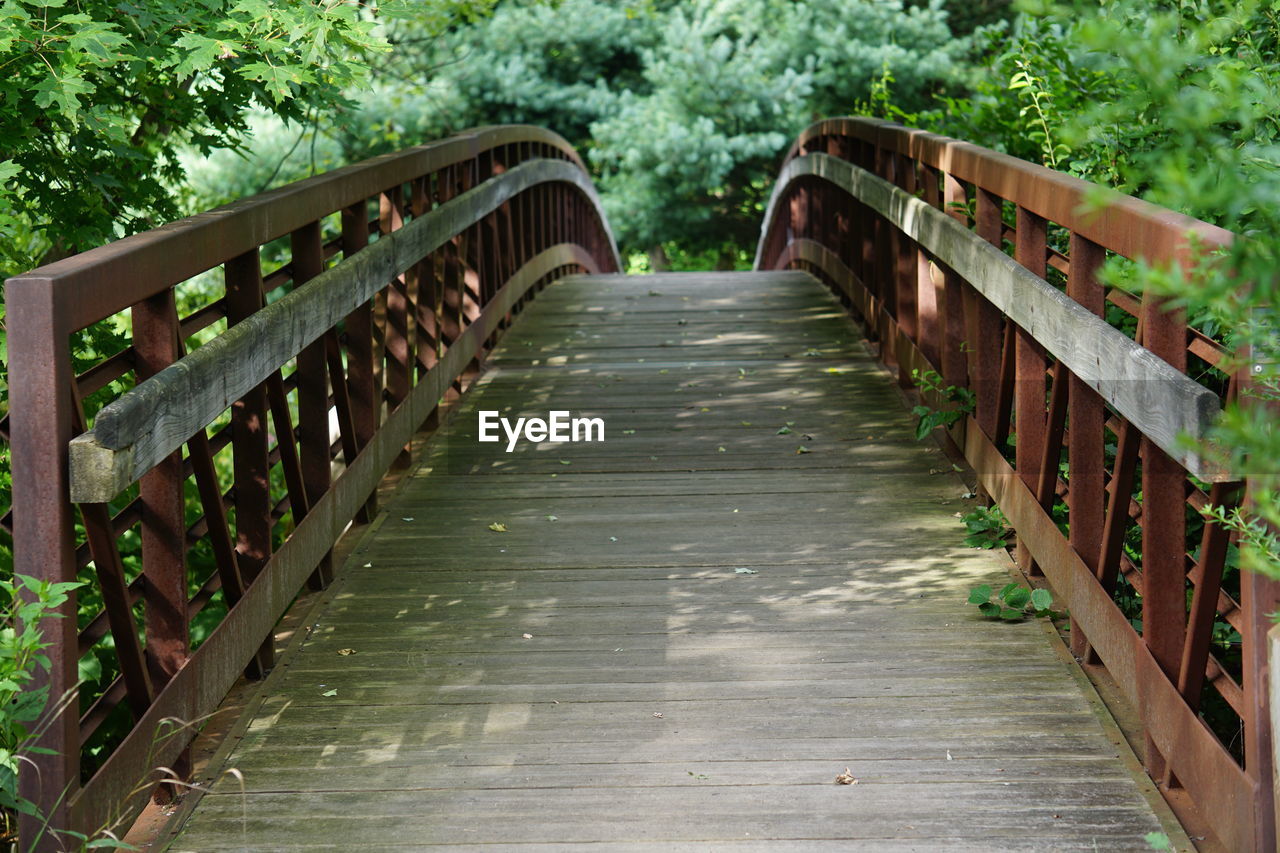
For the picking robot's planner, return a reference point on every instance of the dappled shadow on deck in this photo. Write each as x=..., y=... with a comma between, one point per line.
x=685, y=632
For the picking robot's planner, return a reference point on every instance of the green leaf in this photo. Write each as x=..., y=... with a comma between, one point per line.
x=64, y=92
x=8, y=169
x=989, y=609
x=1006, y=589
x=98, y=39
x=1042, y=599
x=1017, y=597
x=980, y=594
x=1010, y=615
x=1158, y=841
x=195, y=53
x=280, y=80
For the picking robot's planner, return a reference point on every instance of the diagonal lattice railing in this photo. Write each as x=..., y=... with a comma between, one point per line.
x=195, y=493
x=984, y=269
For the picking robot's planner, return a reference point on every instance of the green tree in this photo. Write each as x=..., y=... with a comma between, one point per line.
x=99, y=96
x=684, y=108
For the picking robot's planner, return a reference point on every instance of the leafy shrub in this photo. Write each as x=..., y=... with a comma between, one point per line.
x=25, y=603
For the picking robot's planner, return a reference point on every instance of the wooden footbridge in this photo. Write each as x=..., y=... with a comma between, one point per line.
x=678, y=637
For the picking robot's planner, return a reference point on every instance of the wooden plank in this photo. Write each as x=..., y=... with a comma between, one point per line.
x=707, y=813
x=1165, y=404
x=197, y=688
x=850, y=645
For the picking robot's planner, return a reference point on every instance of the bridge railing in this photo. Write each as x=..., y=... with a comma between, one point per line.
x=303, y=386
x=1093, y=386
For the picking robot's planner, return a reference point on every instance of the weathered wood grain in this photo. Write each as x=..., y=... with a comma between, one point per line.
x=1171, y=409
x=847, y=641
x=146, y=424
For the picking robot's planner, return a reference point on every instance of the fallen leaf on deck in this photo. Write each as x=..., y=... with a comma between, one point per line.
x=410, y=518
x=552, y=517
x=498, y=527
x=658, y=714
x=720, y=449
x=330, y=693
x=846, y=778
x=655, y=292
x=345, y=652
x=628, y=432
x=526, y=636
x=565, y=462
x=786, y=430
x=802, y=449
x=613, y=538
x=745, y=572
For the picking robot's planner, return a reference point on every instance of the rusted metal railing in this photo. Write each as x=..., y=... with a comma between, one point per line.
x=398, y=274
x=909, y=229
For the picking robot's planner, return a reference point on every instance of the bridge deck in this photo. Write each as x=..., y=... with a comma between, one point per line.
x=717, y=624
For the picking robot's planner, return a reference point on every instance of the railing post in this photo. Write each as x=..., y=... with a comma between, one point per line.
x=313, y=392
x=885, y=248
x=361, y=377
x=1029, y=386
x=396, y=338
x=40, y=425
x=1164, y=498
x=929, y=294
x=1086, y=489
x=252, y=470
x=156, y=339
x=954, y=362
x=985, y=327
x=906, y=259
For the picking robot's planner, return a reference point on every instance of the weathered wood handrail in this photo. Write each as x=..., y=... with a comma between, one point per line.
x=464, y=232
x=910, y=228
x=132, y=434
x=1175, y=411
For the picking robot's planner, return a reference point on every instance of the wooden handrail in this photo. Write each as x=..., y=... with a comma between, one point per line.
x=1167, y=406
x=136, y=431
